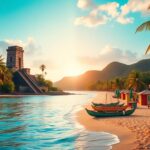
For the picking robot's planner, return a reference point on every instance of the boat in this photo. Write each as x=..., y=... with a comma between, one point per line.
x=112, y=114
x=109, y=104
x=110, y=108
x=114, y=96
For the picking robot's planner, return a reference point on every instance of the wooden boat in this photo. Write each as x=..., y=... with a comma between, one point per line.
x=114, y=96
x=109, y=104
x=102, y=104
x=111, y=114
x=110, y=108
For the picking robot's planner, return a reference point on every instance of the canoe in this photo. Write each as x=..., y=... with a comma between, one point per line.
x=112, y=114
x=102, y=104
x=110, y=108
x=109, y=114
x=114, y=96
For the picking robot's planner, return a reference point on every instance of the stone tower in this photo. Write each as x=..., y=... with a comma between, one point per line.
x=15, y=57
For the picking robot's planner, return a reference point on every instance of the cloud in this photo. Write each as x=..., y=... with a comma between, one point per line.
x=83, y=4
x=103, y=13
x=133, y=6
x=91, y=20
x=125, y=20
x=107, y=55
x=30, y=45
x=110, y=9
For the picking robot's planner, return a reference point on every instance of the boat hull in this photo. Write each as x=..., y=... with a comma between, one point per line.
x=110, y=104
x=109, y=108
x=112, y=114
x=109, y=114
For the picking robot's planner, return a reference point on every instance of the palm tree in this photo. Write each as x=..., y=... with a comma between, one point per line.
x=1, y=61
x=42, y=67
x=2, y=68
x=142, y=27
x=134, y=81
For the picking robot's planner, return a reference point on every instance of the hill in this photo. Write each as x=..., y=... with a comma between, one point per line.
x=112, y=70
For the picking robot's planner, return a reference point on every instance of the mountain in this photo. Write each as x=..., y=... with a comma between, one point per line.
x=112, y=70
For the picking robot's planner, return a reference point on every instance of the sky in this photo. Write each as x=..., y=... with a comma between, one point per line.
x=73, y=36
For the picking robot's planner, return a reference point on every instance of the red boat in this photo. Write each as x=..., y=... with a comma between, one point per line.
x=109, y=108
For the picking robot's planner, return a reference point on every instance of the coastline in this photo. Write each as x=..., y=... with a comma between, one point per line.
x=133, y=131
x=52, y=93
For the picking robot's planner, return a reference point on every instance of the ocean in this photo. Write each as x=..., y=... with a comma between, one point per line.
x=48, y=123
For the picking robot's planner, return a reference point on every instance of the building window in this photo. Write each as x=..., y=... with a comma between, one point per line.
x=10, y=59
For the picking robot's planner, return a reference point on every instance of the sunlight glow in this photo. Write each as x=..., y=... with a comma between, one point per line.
x=73, y=69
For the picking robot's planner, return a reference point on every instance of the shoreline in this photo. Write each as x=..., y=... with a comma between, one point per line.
x=133, y=131
x=53, y=93
x=124, y=135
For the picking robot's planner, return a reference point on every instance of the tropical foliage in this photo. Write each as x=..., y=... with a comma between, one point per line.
x=42, y=67
x=142, y=27
x=135, y=80
x=6, y=83
x=42, y=82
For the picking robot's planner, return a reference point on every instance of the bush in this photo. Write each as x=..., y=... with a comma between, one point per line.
x=47, y=83
x=54, y=89
x=7, y=87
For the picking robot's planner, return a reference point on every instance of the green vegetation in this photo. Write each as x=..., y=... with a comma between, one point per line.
x=46, y=85
x=136, y=80
x=6, y=83
x=42, y=68
x=142, y=27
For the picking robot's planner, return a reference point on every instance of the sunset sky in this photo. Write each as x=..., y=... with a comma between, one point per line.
x=73, y=36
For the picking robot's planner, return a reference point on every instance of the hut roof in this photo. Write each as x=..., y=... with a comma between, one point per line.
x=126, y=91
x=146, y=92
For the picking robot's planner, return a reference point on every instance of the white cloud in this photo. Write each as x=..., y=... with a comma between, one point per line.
x=135, y=6
x=125, y=20
x=91, y=20
x=111, y=10
x=83, y=4
x=30, y=46
x=131, y=7
x=107, y=55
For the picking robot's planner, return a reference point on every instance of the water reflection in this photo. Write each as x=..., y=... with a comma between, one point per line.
x=40, y=122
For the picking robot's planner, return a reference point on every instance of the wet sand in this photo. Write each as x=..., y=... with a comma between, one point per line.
x=133, y=131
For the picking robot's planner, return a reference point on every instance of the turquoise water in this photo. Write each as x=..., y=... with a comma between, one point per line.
x=48, y=123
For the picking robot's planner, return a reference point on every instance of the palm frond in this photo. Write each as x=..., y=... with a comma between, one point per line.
x=148, y=49
x=1, y=61
x=144, y=26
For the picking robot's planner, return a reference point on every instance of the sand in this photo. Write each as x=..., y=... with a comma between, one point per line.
x=133, y=131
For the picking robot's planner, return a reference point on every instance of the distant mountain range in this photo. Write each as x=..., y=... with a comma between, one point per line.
x=112, y=70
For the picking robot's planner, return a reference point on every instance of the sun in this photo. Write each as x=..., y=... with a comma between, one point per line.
x=73, y=72
x=73, y=69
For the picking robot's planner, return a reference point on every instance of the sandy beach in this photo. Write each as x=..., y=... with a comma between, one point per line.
x=133, y=131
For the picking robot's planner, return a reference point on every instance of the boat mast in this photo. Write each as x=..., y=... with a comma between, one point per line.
x=106, y=92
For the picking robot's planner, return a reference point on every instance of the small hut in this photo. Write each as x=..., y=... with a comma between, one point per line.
x=126, y=95
x=123, y=94
x=144, y=96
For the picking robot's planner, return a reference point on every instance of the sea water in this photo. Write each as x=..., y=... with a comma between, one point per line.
x=48, y=123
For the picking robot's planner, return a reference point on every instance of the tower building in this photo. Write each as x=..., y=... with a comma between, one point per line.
x=15, y=57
